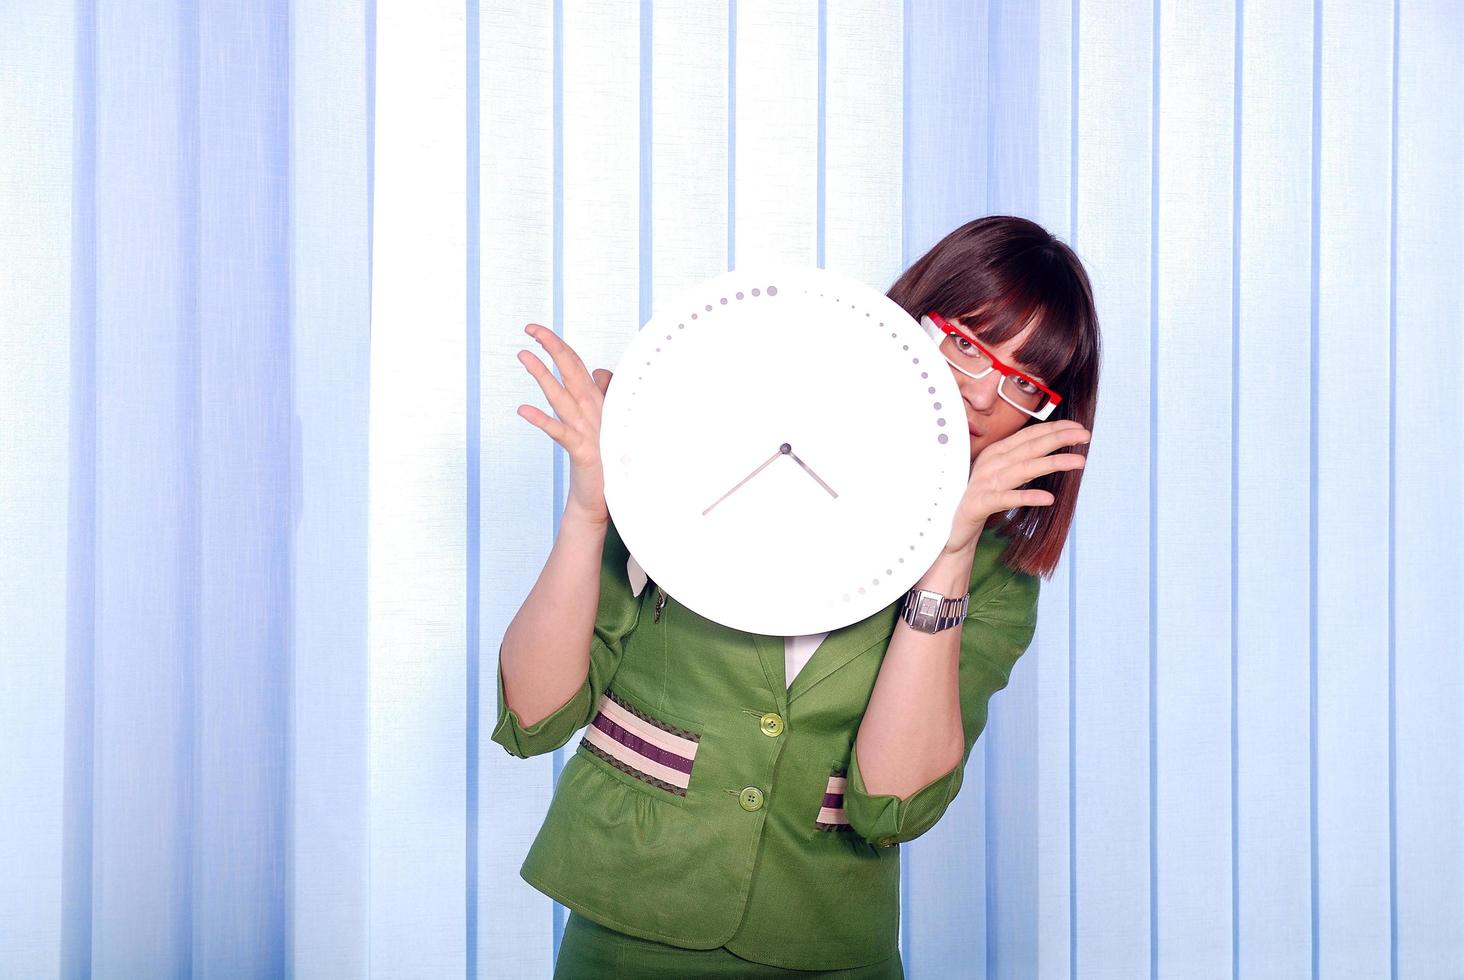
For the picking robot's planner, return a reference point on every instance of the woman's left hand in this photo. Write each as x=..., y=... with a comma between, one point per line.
x=1004, y=466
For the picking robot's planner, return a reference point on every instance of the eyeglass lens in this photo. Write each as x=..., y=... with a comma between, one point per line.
x=1019, y=391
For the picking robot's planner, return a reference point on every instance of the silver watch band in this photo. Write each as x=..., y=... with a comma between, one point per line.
x=931, y=612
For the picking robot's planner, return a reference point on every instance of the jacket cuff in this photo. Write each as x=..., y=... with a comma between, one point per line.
x=885, y=819
x=546, y=734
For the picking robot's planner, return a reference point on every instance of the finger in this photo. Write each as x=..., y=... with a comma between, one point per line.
x=1032, y=468
x=1039, y=440
x=1044, y=436
x=561, y=401
x=576, y=376
x=555, y=429
x=1013, y=499
x=602, y=380
x=1033, y=498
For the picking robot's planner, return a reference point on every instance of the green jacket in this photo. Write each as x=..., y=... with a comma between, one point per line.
x=710, y=804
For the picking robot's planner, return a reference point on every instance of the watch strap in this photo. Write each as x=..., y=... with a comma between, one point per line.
x=930, y=612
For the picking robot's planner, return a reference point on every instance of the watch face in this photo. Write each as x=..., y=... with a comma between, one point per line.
x=784, y=449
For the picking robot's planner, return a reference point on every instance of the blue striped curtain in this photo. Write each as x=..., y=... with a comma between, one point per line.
x=266, y=507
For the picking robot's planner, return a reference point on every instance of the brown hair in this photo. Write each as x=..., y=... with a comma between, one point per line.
x=1005, y=272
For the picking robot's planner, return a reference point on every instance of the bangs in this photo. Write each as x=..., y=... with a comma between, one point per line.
x=1039, y=301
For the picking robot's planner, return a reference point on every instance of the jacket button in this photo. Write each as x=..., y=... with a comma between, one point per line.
x=772, y=724
x=886, y=842
x=751, y=798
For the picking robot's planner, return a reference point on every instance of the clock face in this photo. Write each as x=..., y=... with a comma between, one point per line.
x=784, y=449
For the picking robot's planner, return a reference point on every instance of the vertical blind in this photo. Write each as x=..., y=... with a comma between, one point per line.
x=266, y=507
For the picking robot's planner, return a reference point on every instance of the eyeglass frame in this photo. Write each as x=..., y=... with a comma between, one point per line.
x=1006, y=370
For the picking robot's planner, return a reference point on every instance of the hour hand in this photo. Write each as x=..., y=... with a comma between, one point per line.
x=789, y=450
x=749, y=476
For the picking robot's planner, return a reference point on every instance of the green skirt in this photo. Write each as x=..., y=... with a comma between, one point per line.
x=590, y=951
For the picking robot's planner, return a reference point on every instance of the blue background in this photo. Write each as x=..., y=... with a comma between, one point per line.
x=266, y=507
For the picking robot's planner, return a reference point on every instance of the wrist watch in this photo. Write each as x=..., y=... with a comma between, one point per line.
x=931, y=612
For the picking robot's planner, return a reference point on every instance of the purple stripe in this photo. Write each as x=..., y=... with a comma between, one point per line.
x=833, y=800
x=631, y=740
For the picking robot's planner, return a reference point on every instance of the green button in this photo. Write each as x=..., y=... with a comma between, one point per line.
x=886, y=842
x=751, y=798
x=772, y=724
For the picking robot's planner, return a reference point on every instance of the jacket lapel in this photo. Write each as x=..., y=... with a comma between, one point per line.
x=843, y=645
x=771, y=652
x=848, y=642
x=837, y=649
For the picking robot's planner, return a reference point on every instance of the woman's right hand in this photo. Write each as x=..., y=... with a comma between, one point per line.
x=578, y=403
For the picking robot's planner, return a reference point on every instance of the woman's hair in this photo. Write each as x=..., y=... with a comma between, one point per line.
x=1004, y=272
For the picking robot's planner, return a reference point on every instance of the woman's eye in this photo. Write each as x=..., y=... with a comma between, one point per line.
x=1026, y=386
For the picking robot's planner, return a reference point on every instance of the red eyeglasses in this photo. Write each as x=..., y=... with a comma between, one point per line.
x=1024, y=392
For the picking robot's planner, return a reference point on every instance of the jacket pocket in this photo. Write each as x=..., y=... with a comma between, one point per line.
x=656, y=754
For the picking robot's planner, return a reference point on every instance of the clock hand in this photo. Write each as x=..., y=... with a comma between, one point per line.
x=809, y=471
x=749, y=476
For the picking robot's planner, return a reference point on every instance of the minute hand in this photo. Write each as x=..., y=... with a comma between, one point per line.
x=749, y=476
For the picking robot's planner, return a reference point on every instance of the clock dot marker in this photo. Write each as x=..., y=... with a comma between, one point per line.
x=772, y=290
x=709, y=307
x=724, y=301
x=942, y=438
x=940, y=421
x=937, y=405
x=739, y=295
x=755, y=292
x=930, y=391
x=924, y=374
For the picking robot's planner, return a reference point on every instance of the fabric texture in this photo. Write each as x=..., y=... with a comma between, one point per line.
x=590, y=951
x=695, y=812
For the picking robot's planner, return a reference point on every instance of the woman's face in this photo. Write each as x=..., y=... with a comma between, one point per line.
x=989, y=417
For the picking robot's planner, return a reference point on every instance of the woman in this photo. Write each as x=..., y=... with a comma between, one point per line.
x=670, y=865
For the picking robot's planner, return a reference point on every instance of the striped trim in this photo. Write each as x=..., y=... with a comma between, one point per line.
x=646, y=748
x=831, y=815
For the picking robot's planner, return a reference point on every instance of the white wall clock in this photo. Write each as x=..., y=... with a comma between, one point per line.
x=784, y=449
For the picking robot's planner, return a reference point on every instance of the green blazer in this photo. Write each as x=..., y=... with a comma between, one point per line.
x=710, y=804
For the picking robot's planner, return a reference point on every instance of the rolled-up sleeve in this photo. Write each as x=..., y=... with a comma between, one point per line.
x=615, y=620
x=993, y=636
